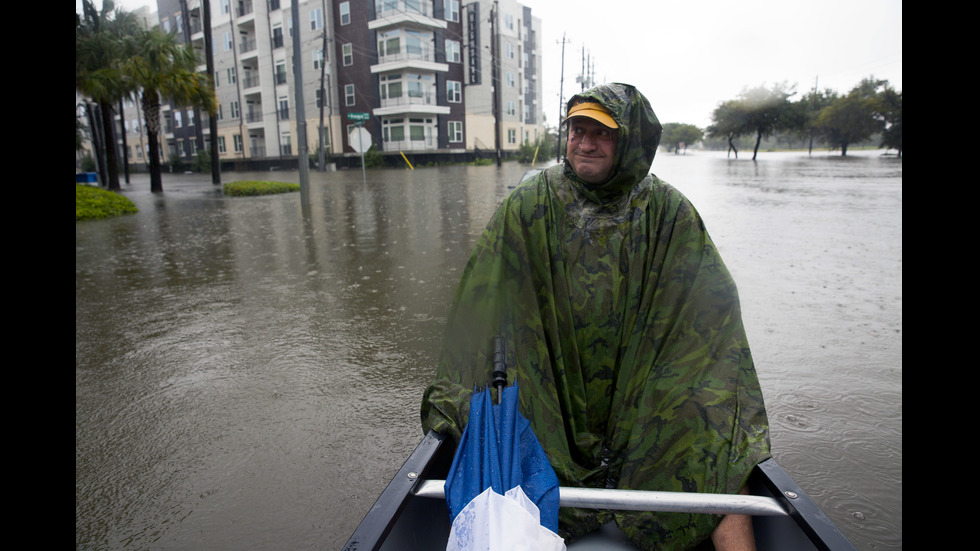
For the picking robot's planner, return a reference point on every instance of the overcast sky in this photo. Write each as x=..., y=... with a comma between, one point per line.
x=687, y=56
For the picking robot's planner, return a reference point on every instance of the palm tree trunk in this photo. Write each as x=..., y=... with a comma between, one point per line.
x=112, y=160
x=151, y=112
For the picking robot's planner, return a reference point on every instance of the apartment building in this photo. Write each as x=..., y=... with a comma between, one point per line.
x=417, y=74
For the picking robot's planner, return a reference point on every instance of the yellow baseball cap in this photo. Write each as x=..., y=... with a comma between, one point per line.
x=594, y=111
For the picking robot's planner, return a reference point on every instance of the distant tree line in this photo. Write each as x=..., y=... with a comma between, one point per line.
x=871, y=108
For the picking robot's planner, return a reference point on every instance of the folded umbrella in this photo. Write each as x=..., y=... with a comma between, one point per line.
x=499, y=457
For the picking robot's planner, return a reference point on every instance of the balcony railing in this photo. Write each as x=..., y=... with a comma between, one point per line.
x=427, y=98
x=251, y=81
x=386, y=8
x=424, y=54
x=253, y=116
x=244, y=8
x=247, y=45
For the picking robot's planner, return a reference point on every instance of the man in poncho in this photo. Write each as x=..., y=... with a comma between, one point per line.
x=623, y=331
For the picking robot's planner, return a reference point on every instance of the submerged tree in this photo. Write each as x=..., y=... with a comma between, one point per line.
x=890, y=111
x=768, y=110
x=809, y=108
x=165, y=69
x=677, y=135
x=757, y=111
x=854, y=117
x=728, y=122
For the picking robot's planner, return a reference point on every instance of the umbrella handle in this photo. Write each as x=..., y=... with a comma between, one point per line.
x=499, y=364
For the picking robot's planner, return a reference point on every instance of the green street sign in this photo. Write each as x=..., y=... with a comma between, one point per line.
x=358, y=116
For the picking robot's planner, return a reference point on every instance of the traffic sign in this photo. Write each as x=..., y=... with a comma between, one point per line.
x=359, y=139
x=358, y=116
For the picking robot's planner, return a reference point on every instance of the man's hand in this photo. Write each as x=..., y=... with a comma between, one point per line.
x=734, y=533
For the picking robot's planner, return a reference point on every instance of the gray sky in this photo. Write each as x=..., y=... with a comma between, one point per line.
x=687, y=56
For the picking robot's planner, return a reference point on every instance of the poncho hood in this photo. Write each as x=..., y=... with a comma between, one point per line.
x=636, y=145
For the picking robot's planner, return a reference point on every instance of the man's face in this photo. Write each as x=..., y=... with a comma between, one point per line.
x=591, y=149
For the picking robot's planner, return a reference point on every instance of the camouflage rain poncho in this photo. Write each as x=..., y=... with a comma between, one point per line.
x=623, y=331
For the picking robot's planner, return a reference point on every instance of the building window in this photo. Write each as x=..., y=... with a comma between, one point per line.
x=452, y=10
x=452, y=51
x=455, y=131
x=317, y=59
x=345, y=13
x=227, y=41
x=177, y=119
x=238, y=143
x=349, y=98
x=280, y=72
x=511, y=110
x=225, y=6
x=287, y=144
x=284, y=108
x=511, y=81
x=509, y=48
x=512, y=136
x=232, y=77
x=273, y=5
x=454, y=91
x=316, y=19
x=319, y=98
x=235, y=112
x=391, y=86
x=277, y=37
x=393, y=130
x=221, y=145
x=348, y=51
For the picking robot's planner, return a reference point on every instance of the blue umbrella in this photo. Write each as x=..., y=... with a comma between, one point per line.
x=499, y=450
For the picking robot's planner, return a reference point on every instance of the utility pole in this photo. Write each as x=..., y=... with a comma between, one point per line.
x=321, y=161
x=561, y=94
x=495, y=79
x=212, y=121
x=302, y=150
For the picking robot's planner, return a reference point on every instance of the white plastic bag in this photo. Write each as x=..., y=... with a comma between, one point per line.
x=494, y=522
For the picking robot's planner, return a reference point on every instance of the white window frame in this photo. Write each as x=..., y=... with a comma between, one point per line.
x=453, y=54
x=345, y=13
x=451, y=8
x=316, y=19
x=348, y=53
x=350, y=95
x=454, y=91
x=455, y=131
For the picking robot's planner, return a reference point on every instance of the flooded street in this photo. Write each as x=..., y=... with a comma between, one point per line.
x=248, y=371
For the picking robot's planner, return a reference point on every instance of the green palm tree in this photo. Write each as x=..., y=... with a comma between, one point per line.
x=100, y=49
x=164, y=69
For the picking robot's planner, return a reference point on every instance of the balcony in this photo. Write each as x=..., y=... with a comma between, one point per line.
x=404, y=13
x=421, y=60
x=415, y=104
x=243, y=9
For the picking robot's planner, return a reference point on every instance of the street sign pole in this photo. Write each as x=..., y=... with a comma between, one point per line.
x=361, y=147
x=360, y=136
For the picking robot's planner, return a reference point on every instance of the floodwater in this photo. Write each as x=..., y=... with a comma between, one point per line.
x=248, y=371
